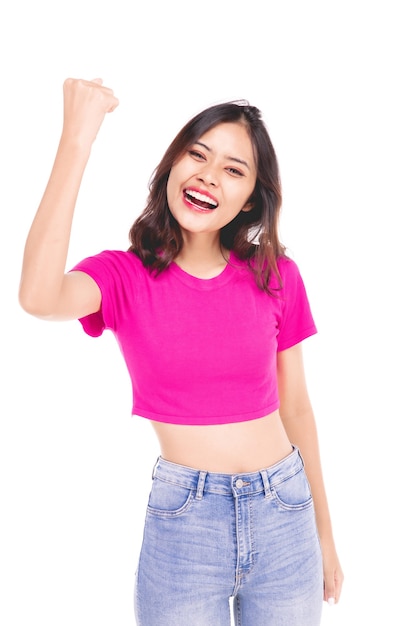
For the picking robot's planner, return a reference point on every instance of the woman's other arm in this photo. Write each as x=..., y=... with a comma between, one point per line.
x=299, y=422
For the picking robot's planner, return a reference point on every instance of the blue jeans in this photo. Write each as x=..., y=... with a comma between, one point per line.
x=209, y=537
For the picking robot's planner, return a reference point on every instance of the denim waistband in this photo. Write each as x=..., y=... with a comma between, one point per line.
x=229, y=484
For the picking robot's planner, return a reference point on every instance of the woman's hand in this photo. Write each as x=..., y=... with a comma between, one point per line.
x=85, y=106
x=333, y=574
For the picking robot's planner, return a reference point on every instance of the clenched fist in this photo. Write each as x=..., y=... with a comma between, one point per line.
x=85, y=106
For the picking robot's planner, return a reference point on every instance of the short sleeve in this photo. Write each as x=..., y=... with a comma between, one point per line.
x=114, y=272
x=296, y=322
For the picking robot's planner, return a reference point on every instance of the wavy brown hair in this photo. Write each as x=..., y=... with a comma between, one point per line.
x=155, y=235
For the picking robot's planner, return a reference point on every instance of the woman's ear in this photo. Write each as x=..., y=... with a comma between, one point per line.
x=248, y=206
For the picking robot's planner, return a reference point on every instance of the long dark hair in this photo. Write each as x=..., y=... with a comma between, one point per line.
x=155, y=235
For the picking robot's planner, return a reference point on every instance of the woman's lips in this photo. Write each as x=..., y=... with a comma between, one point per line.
x=199, y=200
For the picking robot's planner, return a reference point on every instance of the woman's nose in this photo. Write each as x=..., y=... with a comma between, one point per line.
x=208, y=175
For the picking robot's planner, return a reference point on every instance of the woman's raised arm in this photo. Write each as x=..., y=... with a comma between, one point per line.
x=46, y=291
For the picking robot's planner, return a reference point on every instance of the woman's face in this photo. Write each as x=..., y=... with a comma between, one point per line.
x=212, y=182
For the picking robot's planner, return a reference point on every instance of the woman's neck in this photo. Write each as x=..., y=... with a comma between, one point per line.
x=202, y=257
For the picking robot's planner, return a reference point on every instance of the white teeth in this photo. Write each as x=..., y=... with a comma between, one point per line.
x=200, y=196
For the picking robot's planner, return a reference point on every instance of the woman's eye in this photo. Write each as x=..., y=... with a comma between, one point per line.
x=234, y=171
x=195, y=154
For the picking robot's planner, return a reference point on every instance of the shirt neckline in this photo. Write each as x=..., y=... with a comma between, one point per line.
x=205, y=284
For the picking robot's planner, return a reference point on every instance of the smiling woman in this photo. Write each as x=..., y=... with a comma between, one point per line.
x=239, y=469
x=241, y=149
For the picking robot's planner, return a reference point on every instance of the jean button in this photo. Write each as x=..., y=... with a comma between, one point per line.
x=239, y=483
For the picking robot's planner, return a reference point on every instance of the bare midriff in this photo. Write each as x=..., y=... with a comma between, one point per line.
x=227, y=448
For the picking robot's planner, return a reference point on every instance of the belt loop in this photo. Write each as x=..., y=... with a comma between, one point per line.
x=154, y=469
x=266, y=483
x=200, y=485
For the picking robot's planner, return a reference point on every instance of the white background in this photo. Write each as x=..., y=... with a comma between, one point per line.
x=336, y=82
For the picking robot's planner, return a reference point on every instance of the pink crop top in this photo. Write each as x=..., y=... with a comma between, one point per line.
x=198, y=351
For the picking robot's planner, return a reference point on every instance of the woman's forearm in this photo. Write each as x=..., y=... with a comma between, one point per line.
x=302, y=432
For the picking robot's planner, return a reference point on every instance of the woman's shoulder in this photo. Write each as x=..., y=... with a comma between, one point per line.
x=115, y=258
x=121, y=256
x=288, y=277
x=287, y=266
x=113, y=267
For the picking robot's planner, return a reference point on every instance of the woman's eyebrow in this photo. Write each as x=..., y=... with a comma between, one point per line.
x=230, y=158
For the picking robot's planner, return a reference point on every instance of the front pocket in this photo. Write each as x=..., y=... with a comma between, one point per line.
x=294, y=493
x=168, y=499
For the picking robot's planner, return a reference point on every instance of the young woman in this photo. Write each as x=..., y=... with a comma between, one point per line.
x=209, y=313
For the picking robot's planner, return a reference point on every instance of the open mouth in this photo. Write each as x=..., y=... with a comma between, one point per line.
x=199, y=200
